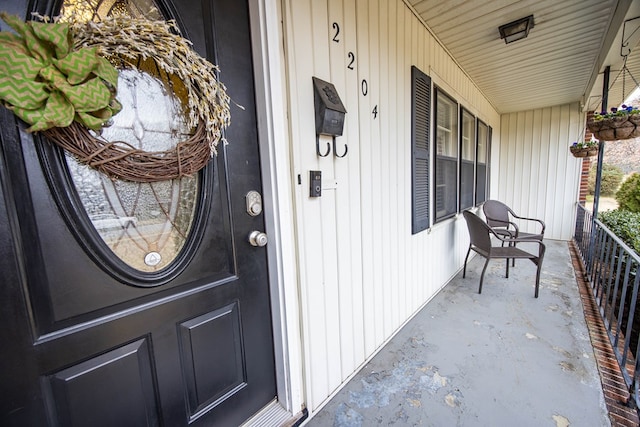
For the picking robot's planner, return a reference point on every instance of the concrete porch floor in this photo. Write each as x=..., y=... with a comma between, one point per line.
x=499, y=358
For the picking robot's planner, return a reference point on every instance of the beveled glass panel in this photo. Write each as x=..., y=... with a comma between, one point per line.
x=94, y=10
x=146, y=225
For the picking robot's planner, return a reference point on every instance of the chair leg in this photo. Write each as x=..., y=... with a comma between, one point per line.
x=538, y=278
x=507, y=274
x=513, y=260
x=486, y=263
x=539, y=265
x=464, y=270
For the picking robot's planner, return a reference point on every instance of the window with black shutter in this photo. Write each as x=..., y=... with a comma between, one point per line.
x=420, y=135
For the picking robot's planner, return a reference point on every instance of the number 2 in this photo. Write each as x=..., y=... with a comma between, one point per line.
x=352, y=57
x=335, y=36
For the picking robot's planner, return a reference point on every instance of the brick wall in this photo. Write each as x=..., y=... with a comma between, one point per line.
x=584, y=180
x=586, y=165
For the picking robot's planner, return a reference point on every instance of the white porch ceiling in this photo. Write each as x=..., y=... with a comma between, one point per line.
x=561, y=60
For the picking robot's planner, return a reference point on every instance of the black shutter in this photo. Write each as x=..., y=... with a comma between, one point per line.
x=420, y=136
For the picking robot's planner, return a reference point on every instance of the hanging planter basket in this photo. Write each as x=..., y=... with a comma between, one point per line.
x=583, y=152
x=616, y=127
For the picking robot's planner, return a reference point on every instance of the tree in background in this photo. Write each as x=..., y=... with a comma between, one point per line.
x=612, y=176
x=628, y=196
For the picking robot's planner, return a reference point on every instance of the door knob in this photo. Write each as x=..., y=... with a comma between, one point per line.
x=258, y=238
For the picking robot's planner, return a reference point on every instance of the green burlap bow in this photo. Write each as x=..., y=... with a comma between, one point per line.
x=47, y=84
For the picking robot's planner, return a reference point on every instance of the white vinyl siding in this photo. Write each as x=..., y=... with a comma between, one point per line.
x=537, y=176
x=362, y=273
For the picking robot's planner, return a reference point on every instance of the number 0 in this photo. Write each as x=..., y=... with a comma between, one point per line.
x=365, y=87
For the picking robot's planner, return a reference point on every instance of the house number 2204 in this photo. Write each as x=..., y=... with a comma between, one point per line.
x=364, y=85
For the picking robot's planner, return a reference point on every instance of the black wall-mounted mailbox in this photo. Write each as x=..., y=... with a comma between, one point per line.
x=329, y=109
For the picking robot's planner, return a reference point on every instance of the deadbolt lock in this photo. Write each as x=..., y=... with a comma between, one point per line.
x=254, y=203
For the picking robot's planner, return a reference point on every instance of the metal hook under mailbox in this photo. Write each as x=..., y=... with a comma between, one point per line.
x=318, y=147
x=335, y=151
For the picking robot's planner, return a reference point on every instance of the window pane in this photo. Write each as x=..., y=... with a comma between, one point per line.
x=467, y=158
x=482, y=143
x=446, y=165
x=446, y=172
x=481, y=169
x=447, y=127
x=468, y=145
x=481, y=194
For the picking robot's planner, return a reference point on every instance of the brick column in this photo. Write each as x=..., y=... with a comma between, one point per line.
x=584, y=180
x=586, y=165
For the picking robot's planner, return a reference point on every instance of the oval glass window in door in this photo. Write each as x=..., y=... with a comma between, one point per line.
x=146, y=225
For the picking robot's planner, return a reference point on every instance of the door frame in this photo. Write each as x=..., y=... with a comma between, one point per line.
x=277, y=180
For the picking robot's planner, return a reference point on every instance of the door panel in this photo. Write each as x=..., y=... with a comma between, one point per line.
x=212, y=368
x=91, y=340
x=75, y=400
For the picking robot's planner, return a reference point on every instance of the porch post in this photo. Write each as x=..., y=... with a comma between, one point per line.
x=605, y=88
x=596, y=193
x=605, y=106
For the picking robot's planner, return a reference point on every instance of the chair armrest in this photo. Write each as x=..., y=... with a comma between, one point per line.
x=542, y=224
x=539, y=221
x=515, y=239
x=505, y=232
x=503, y=223
x=513, y=233
x=541, y=246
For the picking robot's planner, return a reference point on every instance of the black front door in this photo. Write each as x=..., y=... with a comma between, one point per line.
x=136, y=304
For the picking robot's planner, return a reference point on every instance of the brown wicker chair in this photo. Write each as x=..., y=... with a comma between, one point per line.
x=480, y=241
x=499, y=217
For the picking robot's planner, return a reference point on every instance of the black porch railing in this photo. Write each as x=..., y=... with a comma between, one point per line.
x=612, y=271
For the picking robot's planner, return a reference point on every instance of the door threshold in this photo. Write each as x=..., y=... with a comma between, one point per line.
x=273, y=414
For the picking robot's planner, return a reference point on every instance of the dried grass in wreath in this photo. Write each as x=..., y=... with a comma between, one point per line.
x=125, y=42
x=123, y=161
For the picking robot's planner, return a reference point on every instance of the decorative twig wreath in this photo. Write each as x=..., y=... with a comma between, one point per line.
x=79, y=87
